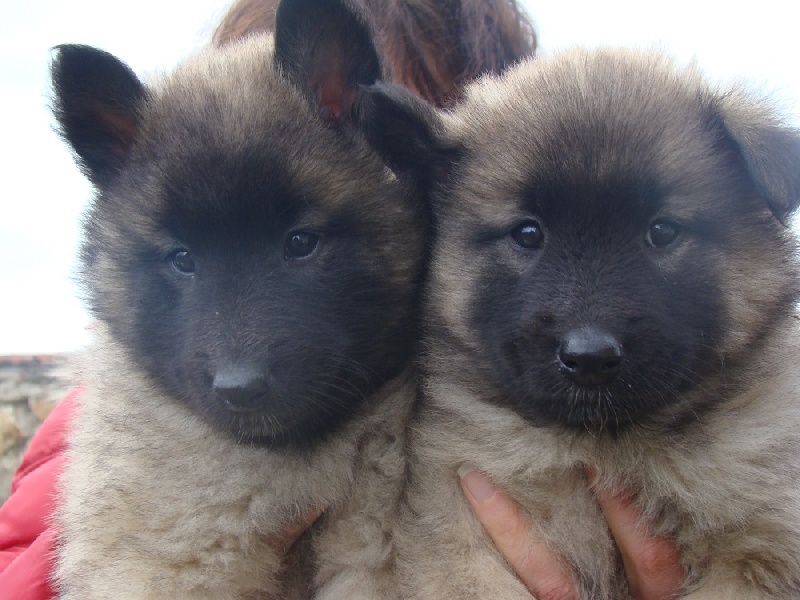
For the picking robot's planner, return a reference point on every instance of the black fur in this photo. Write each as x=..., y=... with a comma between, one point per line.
x=96, y=103
x=595, y=271
x=325, y=45
x=406, y=130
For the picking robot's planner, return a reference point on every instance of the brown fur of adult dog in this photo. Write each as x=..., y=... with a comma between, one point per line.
x=612, y=286
x=255, y=270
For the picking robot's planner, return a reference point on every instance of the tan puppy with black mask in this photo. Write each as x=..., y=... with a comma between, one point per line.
x=613, y=286
x=255, y=271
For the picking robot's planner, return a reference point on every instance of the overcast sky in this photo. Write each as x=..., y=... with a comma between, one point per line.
x=43, y=194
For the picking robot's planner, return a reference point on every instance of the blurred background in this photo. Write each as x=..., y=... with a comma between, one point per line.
x=43, y=194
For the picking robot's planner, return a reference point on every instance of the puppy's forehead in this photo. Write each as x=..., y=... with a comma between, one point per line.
x=229, y=121
x=236, y=100
x=584, y=121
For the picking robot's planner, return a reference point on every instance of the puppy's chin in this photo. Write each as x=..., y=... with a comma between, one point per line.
x=592, y=409
x=295, y=431
x=295, y=412
x=279, y=422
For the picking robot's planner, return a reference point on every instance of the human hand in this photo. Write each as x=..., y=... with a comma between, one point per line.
x=282, y=540
x=652, y=564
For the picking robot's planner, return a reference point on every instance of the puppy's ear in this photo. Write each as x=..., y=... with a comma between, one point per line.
x=96, y=104
x=406, y=131
x=326, y=48
x=769, y=148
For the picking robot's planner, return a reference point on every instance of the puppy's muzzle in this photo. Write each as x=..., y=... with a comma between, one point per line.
x=590, y=356
x=241, y=387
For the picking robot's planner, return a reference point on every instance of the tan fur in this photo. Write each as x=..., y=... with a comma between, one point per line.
x=726, y=485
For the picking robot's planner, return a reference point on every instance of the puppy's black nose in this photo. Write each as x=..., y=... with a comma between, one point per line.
x=241, y=388
x=590, y=356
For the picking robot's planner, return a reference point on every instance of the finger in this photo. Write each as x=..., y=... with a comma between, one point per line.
x=284, y=539
x=514, y=536
x=652, y=564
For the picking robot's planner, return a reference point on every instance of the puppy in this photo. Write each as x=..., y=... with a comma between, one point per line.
x=254, y=268
x=612, y=286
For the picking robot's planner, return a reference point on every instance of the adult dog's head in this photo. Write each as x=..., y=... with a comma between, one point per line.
x=612, y=245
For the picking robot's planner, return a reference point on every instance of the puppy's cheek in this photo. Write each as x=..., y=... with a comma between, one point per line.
x=751, y=297
x=452, y=283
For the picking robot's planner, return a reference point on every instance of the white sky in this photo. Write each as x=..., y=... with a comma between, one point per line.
x=44, y=194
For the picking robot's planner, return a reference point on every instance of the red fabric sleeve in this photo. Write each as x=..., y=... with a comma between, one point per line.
x=27, y=539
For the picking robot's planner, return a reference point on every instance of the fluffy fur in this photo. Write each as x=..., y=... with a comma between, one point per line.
x=611, y=286
x=254, y=269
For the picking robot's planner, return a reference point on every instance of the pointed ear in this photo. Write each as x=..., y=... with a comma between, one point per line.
x=326, y=48
x=770, y=150
x=96, y=103
x=406, y=131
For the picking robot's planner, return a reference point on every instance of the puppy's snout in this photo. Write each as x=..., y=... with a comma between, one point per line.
x=241, y=388
x=590, y=356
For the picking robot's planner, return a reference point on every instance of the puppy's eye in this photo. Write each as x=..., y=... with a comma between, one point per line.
x=662, y=233
x=301, y=244
x=183, y=262
x=529, y=235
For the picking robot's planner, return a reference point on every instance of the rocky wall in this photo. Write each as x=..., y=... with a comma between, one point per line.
x=30, y=387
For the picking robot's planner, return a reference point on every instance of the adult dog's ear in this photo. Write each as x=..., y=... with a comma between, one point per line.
x=407, y=132
x=769, y=149
x=96, y=102
x=326, y=48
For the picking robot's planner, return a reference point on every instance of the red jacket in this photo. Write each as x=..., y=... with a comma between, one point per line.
x=27, y=539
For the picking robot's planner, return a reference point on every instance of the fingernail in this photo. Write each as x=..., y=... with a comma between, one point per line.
x=625, y=497
x=591, y=477
x=477, y=484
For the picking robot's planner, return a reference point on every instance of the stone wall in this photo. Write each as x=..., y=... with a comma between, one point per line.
x=30, y=387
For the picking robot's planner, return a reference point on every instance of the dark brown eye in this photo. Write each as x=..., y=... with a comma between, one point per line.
x=529, y=235
x=183, y=262
x=662, y=233
x=301, y=244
